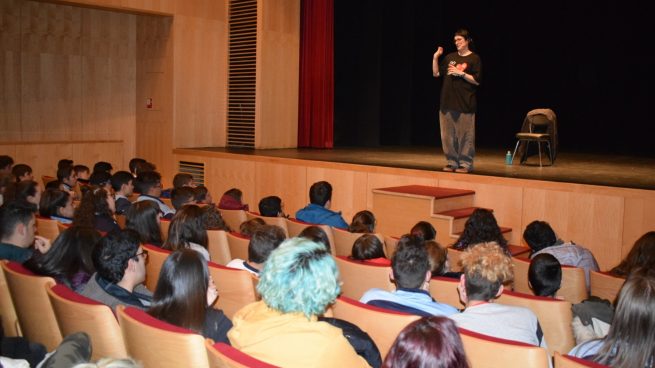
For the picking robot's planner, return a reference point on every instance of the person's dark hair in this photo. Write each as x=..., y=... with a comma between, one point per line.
x=630, y=341
x=12, y=214
x=20, y=170
x=539, y=235
x=112, y=253
x=147, y=180
x=93, y=203
x=187, y=226
x=545, y=275
x=642, y=255
x=235, y=194
x=410, y=262
x=320, y=192
x=367, y=246
x=182, y=179
x=481, y=227
x=263, y=241
x=121, y=178
x=248, y=228
x=142, y=217
x=438, y=257
x=467, y=36
x=363, y=222
x=5, y=181
x=270, y=206
x=430, y=342
x=64, y=162
x=134, y=163
x=103, y=166
x=100, y=178
x=317, y=235
x=51, y=201
x=201, y=193
x=53, y=184
x=64, y=173
x=182, y=195
x=144, y=166
x=424, y=230
x=5, y=162
x=20, y=191
x=213, y=218
x=180, y=297
x=70, y=253
x=80, y=169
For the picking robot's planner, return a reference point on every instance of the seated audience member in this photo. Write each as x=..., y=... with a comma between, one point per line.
x=64, y=162
x=318, y=210
x=486, y=268
x=17, y=227
x=57, y=204
x=52, y=184
x=203, y=196
x=185, y=294
x=213, y=218
x=102, y=166
x=133, y=164
x=299, y=281
x=481, y=227
x=411, y=273
x=180, y=180
x=430, y=342
x=97, y=211
x=69, y=260
x=232, y=200
x=363, y=222
x=120, y=263
x=438, y=258
x=22, y=172
x=6, y=164
x=630, y=341
x=424, y=230
x=183, y=196
x=67, y=180
x=5, y=181
x=247, y=228
x=122, y=183
x=149, y=185
x=317, y=235
x=541, y=239
x=271, y=206
x=145, y=166
x=101, y=179
x=27, y=192
x=545, y=275
x=642, y=255
x=262, y=242
x=144, y=218
x=82, y=173
x=188, y=230
x=369, y=248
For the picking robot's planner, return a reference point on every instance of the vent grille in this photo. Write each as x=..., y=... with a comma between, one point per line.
x=196, y=169
x=242, y=73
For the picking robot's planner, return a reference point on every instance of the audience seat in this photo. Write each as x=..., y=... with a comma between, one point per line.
x=7, y=310
x=238, y=245
x=444, y=290
x=554, y=315
x=236, y=288
x=453, y=259
x=35, y=315
x=277, y=221
x=156, y=258
x=75, y=313
x=489, y=352
x=62, y=227
x=164, y=225
x=234, y=218
x=567, y=361
x=521, y=267
x=390, y=243
x=159, y=344
x=381, y=324
x=344, y=240
x=46, y=179
x=604, y=285
x=224, y=356
x=295, y=227
x=358, y=277
x=574, y=286
x=218, y=247
x=47, y=228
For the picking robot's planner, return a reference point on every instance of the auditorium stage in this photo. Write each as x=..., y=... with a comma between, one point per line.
x=570, y=167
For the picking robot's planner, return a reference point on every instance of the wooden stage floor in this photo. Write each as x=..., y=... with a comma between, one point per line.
x=570, y=167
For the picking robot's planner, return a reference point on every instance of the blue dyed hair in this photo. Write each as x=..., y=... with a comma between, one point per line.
x=300, y=276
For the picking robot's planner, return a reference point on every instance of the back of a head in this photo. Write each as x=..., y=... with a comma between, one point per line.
x=64, y=162
x=367, y=246
x=363, y=222
x=20, y=192
x=100, y=178
x=134, y=163
x=486, y=267
x=263, y=241
x=70, y=253
x=187, y=226
x=81, y=169
x=51, y=200
x=642, y=255
x=270, y=206
x=481, y=227
x=438, y=257
x=182, y=196
x=111, y=255
x=299, y=276
x=316, y=234
x=119, y=179
x=11, y=215
x=320, y=193
x=410, y=262
x=249, y=227
x=539, y=235
x=20, y=171
x=214, y=219
x=424, y=230
x=545, y=275
x=103, y=166
x=147, y=180
x=5, y=163
x=142, y=217
x=182, y=180
x=430, y=342
x=64, y=172
x=144, y=166
x=234, y=193
x=93, y=203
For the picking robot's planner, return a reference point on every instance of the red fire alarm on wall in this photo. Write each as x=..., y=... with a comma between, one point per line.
x=149, y=103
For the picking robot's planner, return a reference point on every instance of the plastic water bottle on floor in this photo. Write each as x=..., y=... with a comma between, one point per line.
x=508, y=158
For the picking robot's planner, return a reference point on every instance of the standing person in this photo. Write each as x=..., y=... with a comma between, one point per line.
x=462, y=73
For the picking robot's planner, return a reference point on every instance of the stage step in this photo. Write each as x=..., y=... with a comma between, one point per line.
x=440, y=199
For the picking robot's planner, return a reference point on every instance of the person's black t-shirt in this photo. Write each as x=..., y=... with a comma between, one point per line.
x=456, y=93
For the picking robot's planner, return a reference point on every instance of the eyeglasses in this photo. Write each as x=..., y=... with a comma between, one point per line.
x=143, y=253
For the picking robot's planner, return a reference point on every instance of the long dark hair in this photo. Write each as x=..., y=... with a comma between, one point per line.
x=181, y=294
x=363, y=222
x=642, y=255
x=430, y=342
x=142, y=217
x=481, y=227
x=70, y=253
x=188, y=226
x=93, y=203
x=51, y=201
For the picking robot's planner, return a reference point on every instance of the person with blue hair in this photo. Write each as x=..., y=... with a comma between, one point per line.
x=299, y=281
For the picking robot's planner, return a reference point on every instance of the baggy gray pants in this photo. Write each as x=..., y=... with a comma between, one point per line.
x=458, y=137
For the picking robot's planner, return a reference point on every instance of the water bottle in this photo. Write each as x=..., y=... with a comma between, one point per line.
x=508, y=158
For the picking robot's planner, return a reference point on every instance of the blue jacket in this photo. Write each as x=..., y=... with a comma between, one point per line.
x=315, y=214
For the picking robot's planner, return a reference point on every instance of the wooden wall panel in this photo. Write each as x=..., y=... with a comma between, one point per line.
x=349, y=189
x=288, y=182
x=43, y=158
x=639, y=218
x=225, y=174
x=10, y=60
x=88, y=153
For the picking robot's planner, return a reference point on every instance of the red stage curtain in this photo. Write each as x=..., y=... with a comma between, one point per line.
x=316, y=94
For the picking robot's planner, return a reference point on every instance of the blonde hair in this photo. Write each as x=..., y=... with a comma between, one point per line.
x=489, y=261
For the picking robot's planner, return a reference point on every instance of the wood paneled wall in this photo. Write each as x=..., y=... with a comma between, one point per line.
x=604, y=219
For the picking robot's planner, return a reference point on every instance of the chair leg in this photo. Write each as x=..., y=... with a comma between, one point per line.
x=550, y=154
x=515, y=148
x=539, y=148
